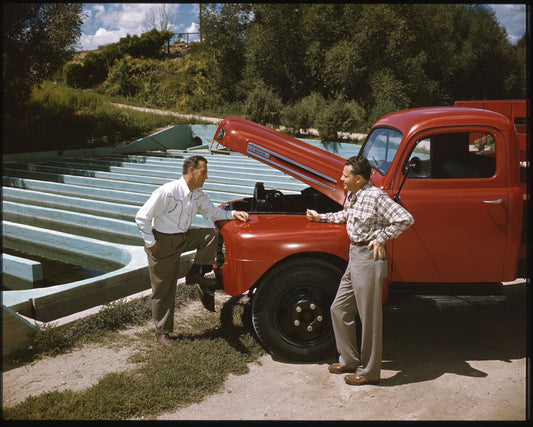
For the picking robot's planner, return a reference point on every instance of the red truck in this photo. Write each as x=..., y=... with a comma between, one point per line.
x=456, y=169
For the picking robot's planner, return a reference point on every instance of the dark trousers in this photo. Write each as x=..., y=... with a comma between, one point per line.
x=163, y=266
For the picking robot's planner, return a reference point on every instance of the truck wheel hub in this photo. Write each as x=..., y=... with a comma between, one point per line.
x=307, y=316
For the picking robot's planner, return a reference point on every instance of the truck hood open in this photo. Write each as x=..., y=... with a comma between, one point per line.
x=311, y=165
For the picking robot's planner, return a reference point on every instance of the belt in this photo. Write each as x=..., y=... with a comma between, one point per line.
x=366, y=243
x=166, y=234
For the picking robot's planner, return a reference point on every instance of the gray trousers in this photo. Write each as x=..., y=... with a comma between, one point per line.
x=164, y=264
x=360, y=292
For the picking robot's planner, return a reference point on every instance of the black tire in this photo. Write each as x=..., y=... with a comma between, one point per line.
x=291, y=309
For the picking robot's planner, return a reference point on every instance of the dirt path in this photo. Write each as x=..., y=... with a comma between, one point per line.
x=214, y=120
x=462, y=364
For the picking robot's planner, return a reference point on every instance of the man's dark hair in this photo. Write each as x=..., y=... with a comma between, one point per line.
x=192, y=162
x=360, y=166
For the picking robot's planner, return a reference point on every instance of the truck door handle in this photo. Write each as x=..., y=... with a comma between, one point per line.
x=493, y=202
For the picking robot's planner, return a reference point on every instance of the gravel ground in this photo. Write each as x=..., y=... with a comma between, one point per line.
x=462, y=363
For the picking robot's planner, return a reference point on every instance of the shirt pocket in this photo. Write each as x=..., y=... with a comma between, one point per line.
x=183, y=214
x=360, y=214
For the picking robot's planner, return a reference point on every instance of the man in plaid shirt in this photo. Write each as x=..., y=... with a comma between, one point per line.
x=371, y=218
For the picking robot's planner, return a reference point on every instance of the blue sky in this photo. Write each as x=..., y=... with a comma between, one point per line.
x=108, y=22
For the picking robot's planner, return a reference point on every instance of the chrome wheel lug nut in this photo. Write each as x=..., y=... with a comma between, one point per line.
x=309, y=328
x=312, y=306
x=296, y=323
x=319, y=318
x=298, y=309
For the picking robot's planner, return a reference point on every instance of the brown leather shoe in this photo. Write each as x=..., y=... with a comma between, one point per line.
x=336, y=368
x=355, y=380
x=164, y=339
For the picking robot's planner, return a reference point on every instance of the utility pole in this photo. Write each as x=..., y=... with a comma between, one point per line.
x=201, y=7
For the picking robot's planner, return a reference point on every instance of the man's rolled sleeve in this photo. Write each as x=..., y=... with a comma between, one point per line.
x=333, y=217
x=398, y=217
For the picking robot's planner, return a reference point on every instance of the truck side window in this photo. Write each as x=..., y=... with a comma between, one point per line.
x=455, y=155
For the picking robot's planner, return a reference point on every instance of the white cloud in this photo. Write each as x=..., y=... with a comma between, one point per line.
x=107, y=23
x=99, y=8
x=101, y=37
x=125, y=16
x=193, y=28
x=512, y=17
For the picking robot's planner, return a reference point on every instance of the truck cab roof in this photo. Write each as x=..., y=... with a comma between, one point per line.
x=411, y=121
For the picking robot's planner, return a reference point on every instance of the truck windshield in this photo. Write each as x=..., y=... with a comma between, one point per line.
x=381, y=147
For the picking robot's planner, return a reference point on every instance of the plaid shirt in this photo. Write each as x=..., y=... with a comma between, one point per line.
x=371, y=214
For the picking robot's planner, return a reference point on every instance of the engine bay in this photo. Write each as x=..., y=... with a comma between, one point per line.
x=270, y=200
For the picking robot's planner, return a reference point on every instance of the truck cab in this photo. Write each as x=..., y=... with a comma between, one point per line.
x=464, y=193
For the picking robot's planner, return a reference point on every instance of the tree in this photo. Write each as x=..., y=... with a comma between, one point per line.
x=38, y=38
x=486, y=63
x=263, y=105
x=275, y=50
x=159, y=18
x=223, y=28
x=521, y=55
x=148, y=45
x=322, y=26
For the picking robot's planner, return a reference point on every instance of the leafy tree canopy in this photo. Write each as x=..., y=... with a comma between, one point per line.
x=38, y=38
x=395, y=55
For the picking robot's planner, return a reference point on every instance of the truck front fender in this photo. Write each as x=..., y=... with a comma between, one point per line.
x=252, y=248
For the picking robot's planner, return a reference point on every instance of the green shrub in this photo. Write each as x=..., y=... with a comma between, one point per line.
x=52, y=340
x=292, y=117
x=80, y=120
x=96, y=67
x=302, y=115
x=74, y=74
x=339, y=115
x=263, y=106
x=126, y=77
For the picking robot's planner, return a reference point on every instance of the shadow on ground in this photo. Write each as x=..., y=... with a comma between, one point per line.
x=424, y=345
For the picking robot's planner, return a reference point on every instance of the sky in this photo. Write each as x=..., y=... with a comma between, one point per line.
x=109, y=22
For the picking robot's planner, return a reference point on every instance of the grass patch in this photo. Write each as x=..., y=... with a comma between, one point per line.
x=165, y=378
x=51, y=340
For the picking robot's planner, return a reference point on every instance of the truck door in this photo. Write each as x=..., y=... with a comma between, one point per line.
x=459, y=200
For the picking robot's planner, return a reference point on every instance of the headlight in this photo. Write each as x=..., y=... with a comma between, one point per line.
x=220, y=134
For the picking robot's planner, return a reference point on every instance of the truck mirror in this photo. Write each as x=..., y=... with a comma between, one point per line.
x=413, y=165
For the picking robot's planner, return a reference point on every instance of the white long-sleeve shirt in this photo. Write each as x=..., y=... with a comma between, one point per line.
x=171, y=209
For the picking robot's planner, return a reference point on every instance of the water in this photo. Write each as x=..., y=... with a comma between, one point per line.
x=54, y=272
x=341, y=149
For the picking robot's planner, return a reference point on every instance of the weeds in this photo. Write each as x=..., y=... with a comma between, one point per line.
x=51, y=340
x=164, y=379
x=81, y=120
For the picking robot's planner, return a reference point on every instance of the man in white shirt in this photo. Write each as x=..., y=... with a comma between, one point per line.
x=164, y=222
